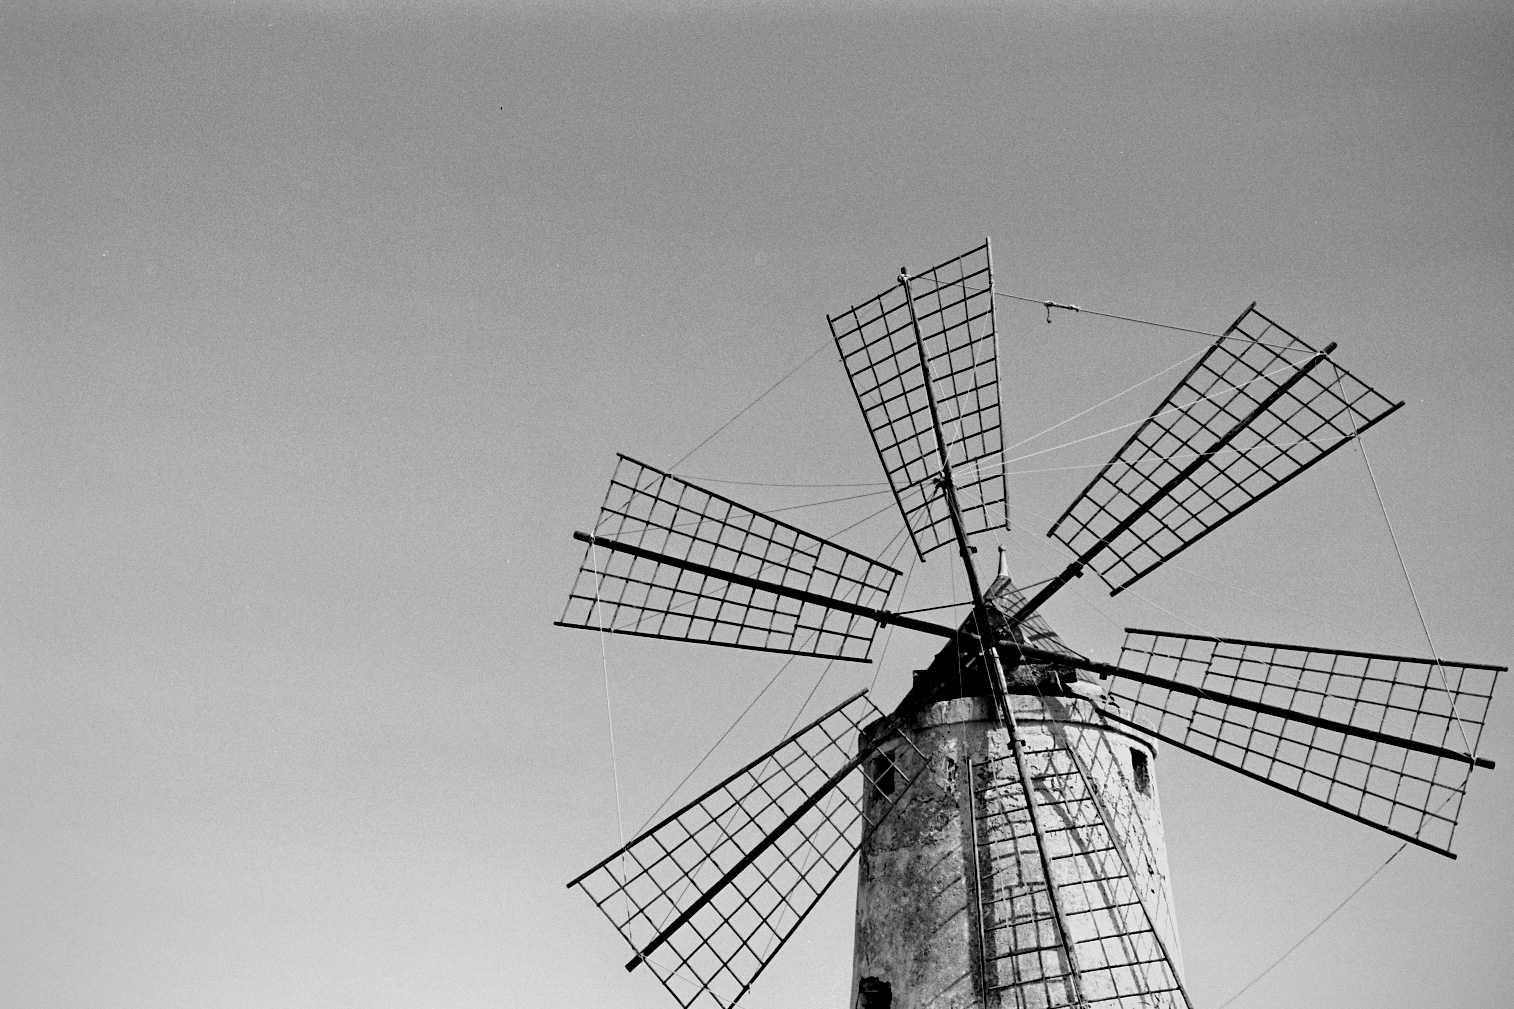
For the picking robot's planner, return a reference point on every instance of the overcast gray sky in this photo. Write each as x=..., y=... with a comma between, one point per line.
x=322, y=323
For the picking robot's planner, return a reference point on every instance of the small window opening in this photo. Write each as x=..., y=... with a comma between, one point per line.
x=1141, y=770
x=875, y=993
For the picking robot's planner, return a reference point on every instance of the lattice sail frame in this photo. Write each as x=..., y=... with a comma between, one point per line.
x=1412, y=795
x=1165, y=462
x=712, y=958
x=1105, y=870
x=648, y=509
x=954, y=305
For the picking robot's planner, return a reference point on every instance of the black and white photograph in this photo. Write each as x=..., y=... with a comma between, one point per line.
x=683, y=504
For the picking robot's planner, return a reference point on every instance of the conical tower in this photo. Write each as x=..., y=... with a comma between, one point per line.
x=953, y=910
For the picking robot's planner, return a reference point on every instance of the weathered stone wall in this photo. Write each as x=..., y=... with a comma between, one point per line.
x=918, y=932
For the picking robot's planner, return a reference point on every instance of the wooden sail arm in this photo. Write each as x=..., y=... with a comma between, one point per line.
x=1075, y=569
x=757, y=849
x=996, y=677
x=1106, y=670
x=776, y=588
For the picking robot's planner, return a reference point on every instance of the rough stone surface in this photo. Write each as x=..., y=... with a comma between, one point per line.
x=917, y=924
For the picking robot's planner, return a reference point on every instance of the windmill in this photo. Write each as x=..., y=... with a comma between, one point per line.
x=1005, y=813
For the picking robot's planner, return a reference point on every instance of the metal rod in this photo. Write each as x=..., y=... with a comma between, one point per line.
x=1075, y=568
x=881, y=616
x=1105, y=669
x=996, y=678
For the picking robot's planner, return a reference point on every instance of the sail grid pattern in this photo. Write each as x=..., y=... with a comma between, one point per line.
x=1105, y=873
x=954, y=306
x=1258, y=408
x=709, y=895
x=657, y=531
x=1412, y=794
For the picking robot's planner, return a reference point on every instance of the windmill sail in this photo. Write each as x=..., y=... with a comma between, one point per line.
x=1384, y=739
x=708, y=896
x=672, y=560
x=954, y=307
x=1103, y=866
x=1259, y=408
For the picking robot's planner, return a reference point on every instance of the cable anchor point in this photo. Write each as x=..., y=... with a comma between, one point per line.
x=1052, y=304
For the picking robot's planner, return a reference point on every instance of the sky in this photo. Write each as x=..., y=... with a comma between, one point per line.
x=322, y=324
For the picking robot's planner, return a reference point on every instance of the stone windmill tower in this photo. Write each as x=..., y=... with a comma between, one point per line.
x=952, y=905
x=1005, y=813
